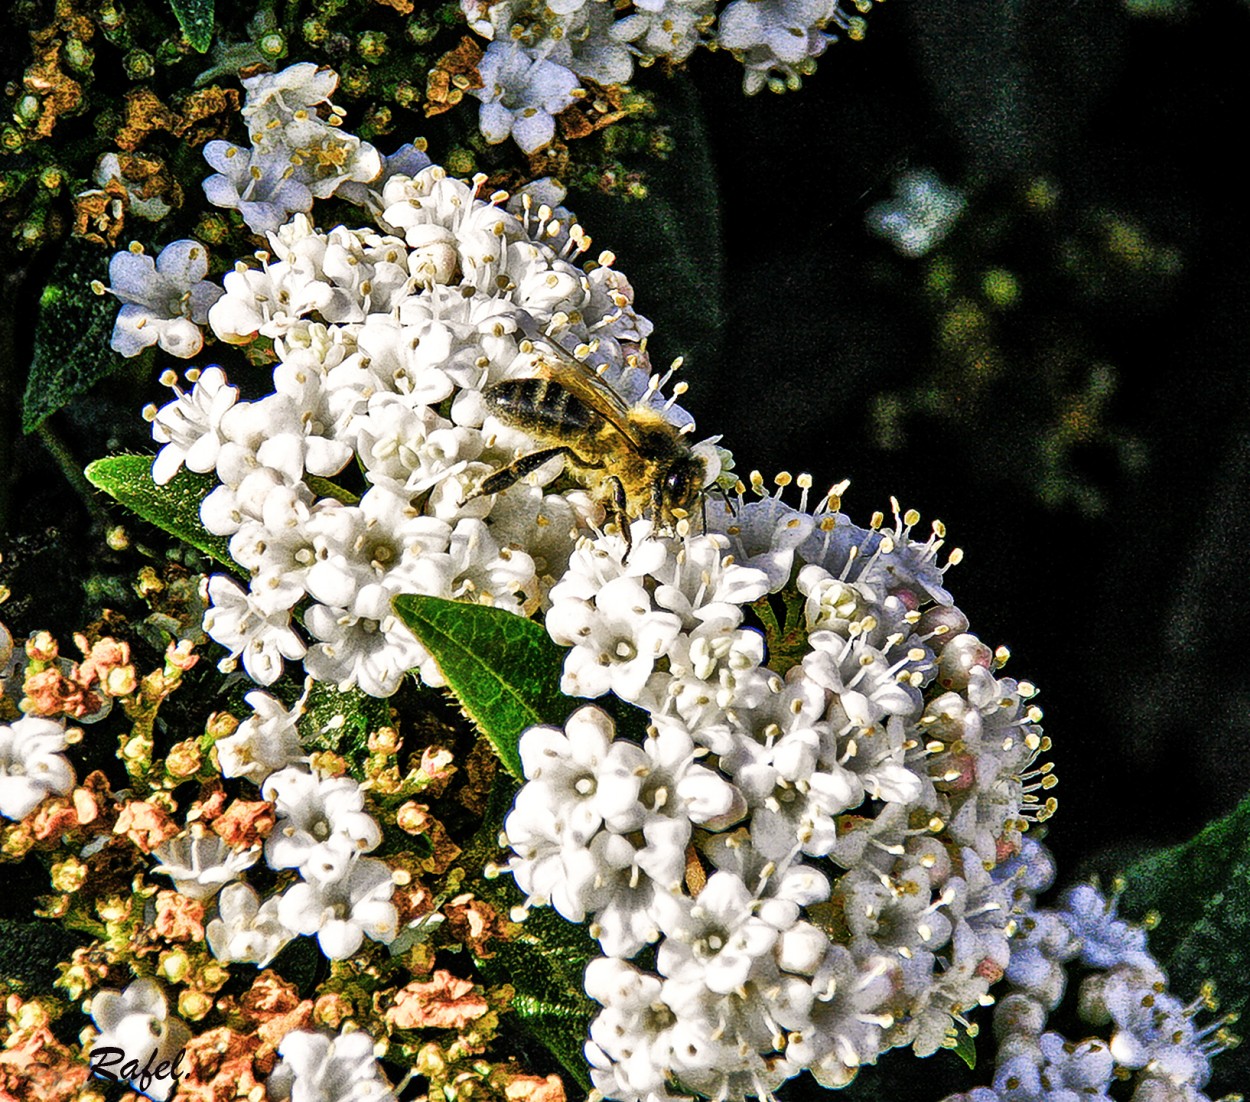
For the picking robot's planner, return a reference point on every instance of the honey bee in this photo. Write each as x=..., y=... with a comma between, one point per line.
x=633, y=461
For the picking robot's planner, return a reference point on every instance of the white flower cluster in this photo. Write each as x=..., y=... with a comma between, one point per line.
x=385, y=339
x=824, y=850
x=539, y=52
x=1146, y=1039
x=297, y=152
x=322, y=832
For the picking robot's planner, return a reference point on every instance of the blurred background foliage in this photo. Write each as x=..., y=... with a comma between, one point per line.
x=1062, y=379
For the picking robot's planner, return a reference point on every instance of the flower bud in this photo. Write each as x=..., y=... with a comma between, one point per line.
x=959, y=657
x=174, y=965
x=385, y=740
x=68, y=875
x=220, y=725
x=41, y=647
x=412, y=818
x=194, y=1005
x=332, y=1010
x=272, y=46
x=184, y=759
x=943, y=623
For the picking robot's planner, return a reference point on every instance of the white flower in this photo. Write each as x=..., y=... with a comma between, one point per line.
x=366, y=645
x=631, y=1039
x=295, y=157
x=137, y=1021
x=317, y=1068
x=665, y=28
x=164, y=301
x=342, y=912
x=283, y=94
x=239, y=623
x=321, y=824
x=32, y=765
x=266, y=741
x=579, y=775
x=190, y=426
x=325, y=158
x=259, y=187
x=716, y=938
x=616, y=640
x=921, y=214
x=200, y=864
x=521, y=93
x=764, y=535
x=781, y=37
x=246, y=930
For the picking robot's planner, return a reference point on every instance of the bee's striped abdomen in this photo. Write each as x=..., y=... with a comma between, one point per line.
x=541, y=406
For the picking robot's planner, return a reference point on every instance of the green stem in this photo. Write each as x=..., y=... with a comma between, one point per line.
x=71, y=468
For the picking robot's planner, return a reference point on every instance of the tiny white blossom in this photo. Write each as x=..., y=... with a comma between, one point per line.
x=268, y=740
x=137, y=1021
x=246, y=930
x=164, y=301
x=343, y=911
x=317, y=1068
x=190, y=426
x=521, y=93
x=200, y=864
x=238, y=622
x=32, y=765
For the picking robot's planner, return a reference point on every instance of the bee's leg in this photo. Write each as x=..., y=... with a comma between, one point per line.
x=617, y=508
x=729, y=502
x=516, y=470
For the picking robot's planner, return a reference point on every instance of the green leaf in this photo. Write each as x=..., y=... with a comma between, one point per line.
x=1201, y=892
x=72, y=335
x=195, y=17
x=547, y=965
x=965, y=1047
x=174, y=507
x=323, y=487
x=341, y=722
x=503, y=668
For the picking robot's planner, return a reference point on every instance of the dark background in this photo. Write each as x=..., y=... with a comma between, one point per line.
x=752, y=257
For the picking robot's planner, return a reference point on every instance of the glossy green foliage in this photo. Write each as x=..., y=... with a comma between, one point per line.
x=72, y=334
x=195, y=17
x=174, y=507
x=503, y=669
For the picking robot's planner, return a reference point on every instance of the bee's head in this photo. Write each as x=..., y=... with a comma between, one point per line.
x=681, y=485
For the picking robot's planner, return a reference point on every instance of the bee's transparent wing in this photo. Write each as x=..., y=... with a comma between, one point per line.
x=558, y=364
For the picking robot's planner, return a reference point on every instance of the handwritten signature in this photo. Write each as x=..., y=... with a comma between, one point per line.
x=103, y=1059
